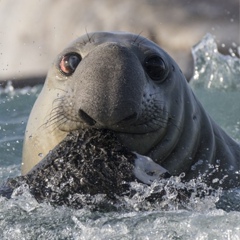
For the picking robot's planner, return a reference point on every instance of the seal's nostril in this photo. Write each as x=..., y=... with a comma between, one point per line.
x=86, y=118
x=130, y=118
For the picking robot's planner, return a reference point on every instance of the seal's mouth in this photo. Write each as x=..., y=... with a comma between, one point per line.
x=91, y=122
x=133, y=124
x=126, y=126
x=130, y=130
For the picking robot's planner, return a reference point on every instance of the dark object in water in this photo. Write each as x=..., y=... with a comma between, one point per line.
x=93, y=162
x=80, y=164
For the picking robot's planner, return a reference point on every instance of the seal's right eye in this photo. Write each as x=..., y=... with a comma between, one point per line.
x=69, y=63
x=156, y=68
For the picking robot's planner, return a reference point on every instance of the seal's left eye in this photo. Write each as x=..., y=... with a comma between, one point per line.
x=156, y=68
x=69, y=63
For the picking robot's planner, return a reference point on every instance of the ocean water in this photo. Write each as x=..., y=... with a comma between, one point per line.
x=216, y=82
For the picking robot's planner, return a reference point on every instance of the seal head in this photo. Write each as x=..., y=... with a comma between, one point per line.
x=102, y=80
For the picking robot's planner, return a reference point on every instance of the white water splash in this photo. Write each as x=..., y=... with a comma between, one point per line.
x=216, y=82
x=213, y=70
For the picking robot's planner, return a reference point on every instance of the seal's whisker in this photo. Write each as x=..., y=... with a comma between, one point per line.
x=56, y=127
x=56, y=116
x=58, y=123
x=59, y=99
x=55, y=109
x=174, y=124
x=57, y=105
x=45, y=124
x=142, y=41
x=137, y=37
x=90, y=37
x=56, y=112
x=159, y=121
x=171, y=119
x=66, y=91
x=57, y=102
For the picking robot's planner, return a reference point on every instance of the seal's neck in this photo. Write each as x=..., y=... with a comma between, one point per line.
x=189, y=135
x=198, y=146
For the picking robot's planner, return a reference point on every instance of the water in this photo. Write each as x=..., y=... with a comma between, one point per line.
x=23, y=218
x=216, y=82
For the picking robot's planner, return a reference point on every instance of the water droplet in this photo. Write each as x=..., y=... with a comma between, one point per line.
x=215, y=180
x=182, y=175
x=231, y=168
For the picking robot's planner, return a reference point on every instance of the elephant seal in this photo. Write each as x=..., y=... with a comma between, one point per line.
x=126, y=83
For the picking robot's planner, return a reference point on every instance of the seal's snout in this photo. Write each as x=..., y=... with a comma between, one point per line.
x=109, y=87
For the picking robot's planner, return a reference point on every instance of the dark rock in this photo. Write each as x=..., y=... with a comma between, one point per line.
x=88, y=163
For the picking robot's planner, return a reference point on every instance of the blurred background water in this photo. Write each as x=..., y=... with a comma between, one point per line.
x=33, y=32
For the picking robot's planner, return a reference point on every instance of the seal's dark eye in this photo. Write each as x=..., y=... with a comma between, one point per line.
x=155, y=68
x=69, y=63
